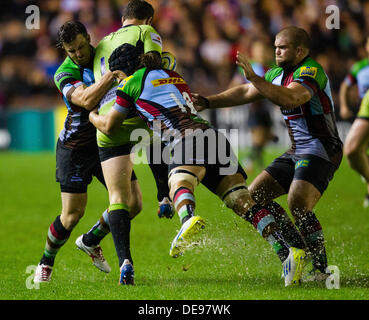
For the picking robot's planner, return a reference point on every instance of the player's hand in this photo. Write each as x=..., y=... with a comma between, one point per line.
x=119, y=75
x=199, y=102
x=346, y=113
x=95, y=110
x=242, y=61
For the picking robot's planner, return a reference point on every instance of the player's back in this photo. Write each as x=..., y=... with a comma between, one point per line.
x=161, y=95
x=131, y=34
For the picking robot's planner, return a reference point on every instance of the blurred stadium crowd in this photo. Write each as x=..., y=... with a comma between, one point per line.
x=204, y=35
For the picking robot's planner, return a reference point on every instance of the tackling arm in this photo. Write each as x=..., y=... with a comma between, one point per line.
x=89, y=97
x=236, y=96
x=107, y=123
x=289, y=97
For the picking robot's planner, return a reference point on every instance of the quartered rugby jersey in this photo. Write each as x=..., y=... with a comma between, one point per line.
x=132, y=34
x=311, y=126
x=359, y=74
x=160, y=95
x=78, y=130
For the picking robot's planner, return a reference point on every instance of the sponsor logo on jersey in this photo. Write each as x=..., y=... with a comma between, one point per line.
x=63, y=75
x=156, y=38
x=124, y=82
x=172, y=80
x=308, y=72
x=302, y=163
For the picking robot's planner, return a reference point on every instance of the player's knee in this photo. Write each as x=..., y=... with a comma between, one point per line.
x=71, y=216
x=352, y=149
x=135, y=208
x=298, y=206
x=181, y=178
x=237, y=198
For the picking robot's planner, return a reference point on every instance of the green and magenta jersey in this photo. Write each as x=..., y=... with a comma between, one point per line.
x=78, y=130
x=311, y=126
x=159, y=95
x=359, y=74
x=131, y=34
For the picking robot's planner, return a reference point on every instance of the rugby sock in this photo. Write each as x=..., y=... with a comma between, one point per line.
x=159, y=170
x=285, y=224
x=120, y=227
x=98, y=231
x=57, y=235
x=311, y=230
x=264, y=222
x=184, y=203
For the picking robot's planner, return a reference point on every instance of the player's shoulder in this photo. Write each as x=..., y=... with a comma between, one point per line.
x=68, y=69
x=358, y=65
x=310, y=68
x=272, y=73
x=132, y=81
x=147, y=28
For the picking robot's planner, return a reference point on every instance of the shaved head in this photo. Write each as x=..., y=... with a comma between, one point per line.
x=296, y=36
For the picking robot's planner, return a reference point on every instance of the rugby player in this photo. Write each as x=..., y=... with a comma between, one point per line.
x=75, y=165
x=77, y=159
x=162, y=95
x=357, y=140
x=299, y=85
x=115, y=149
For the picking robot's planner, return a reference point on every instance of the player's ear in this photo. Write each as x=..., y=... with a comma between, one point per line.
x=149, y=21
x=88, y=37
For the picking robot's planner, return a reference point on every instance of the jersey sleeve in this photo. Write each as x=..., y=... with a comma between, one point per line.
x=151, y=39
x=127, y=93
x=350, y=79
x=66, y=80
x=272, y=73
x=313, y=78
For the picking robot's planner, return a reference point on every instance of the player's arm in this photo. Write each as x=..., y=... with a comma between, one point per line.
x=111, y=121
x=345, y=111
x=236, y=96
x=107, y=123
x=89, y=97
x=289, y=97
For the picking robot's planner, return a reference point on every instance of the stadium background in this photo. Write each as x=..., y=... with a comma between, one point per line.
x=204, y=36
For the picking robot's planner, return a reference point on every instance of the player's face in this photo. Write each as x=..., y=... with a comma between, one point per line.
x=285, y=52
x=79, y=49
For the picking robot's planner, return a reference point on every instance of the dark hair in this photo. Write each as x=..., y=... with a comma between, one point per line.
x=138, y=9
x=69, y=31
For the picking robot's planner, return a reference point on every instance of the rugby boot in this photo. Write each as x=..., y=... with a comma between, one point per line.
x=186, y=235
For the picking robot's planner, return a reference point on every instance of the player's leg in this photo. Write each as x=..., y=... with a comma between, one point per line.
x=182, y=183
x=302, y=198
x=233, y=192
x=312, y=176
x=73, y=207
x=90, y=242
x=117, y=173
x=159, y=169
x=73, y=174
x=355, y=149
x=271, y=184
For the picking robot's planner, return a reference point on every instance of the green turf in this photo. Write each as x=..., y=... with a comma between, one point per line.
x=233, y=262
